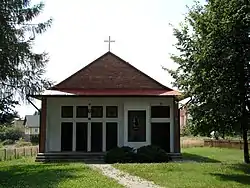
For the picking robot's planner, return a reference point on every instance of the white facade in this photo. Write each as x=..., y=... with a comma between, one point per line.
x=54, y=120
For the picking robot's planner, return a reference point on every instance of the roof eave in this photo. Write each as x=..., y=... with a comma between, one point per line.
x=39, y=97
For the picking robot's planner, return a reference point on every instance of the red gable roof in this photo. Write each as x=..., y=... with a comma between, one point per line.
x=110, y=74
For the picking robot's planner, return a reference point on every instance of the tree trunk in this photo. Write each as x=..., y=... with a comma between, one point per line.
x=244, y=125
x=246, y=152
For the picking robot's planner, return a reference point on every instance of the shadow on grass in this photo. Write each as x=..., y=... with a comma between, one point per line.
x=240, y=178
x=198, y=158
x=42, y=175
x=245, y=168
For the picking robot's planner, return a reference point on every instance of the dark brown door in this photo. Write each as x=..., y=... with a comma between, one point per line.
x=96, y=137
x=81, y=136
x=160, y=135
x=111, y=135
x=66, y=136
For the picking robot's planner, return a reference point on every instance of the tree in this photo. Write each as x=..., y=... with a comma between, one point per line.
x=21, y=69
x=214, y=55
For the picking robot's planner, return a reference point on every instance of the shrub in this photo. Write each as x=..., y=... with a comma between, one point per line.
x=22, y=143
x=185, y=131
x=8, y=142
x=34, y=139
x=151, y=154
x=120, y=155
x=14, y=133
x=11, y=133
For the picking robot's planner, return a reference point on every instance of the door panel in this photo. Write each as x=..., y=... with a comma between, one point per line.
x=111, y=136
x=160, y=135
x=96, y=137
x=137, y=125
x=81, y=136
x=66, y=136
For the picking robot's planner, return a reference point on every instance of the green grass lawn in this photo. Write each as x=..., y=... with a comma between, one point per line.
x=218, y=168
x=25, y=173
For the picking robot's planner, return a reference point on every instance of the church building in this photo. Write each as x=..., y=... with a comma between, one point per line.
x=108, y=103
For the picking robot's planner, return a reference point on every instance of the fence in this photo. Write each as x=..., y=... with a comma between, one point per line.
x=192, y=143
x=15, y=153
x=238, y=144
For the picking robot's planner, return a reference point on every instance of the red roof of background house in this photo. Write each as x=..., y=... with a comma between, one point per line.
x=111, y=75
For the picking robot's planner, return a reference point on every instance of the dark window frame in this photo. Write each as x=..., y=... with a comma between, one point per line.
x=155, y=112
x=101, y=116
x=64, y=115
x=79, y=115
x=116, y=113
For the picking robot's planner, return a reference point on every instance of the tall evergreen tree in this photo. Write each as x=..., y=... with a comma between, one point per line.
x=21, y=69
x=214, y=70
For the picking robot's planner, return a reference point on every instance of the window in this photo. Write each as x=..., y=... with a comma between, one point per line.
x=137, y=126
x=96, y=112
x=82, y=112
x=67, y=112
x=160, y=112
x=111, y=111
x=36, y=130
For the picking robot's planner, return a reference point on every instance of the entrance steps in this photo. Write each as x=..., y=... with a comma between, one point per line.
x=86, y=157
x=175, y=156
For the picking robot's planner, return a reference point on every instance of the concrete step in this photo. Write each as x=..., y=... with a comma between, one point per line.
x=175, y=156
x=88, y=161
x=68, y=158
x=73, y=156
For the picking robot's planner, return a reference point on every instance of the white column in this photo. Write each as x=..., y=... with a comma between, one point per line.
x=125, y=126
x=89, y=137
x=103, y=136
x=74, y=136
x=148, y=125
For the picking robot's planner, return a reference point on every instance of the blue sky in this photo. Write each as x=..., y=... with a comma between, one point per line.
x=140, y=29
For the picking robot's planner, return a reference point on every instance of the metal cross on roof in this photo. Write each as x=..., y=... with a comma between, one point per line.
x=109, y=41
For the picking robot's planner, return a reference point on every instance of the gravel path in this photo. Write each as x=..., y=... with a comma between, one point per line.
x=123, y=178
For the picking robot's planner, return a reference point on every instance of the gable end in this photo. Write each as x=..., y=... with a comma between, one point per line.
x=109, y=72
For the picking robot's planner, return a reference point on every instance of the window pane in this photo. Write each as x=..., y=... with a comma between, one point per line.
x=111, y=111
x=160, y=112
x=137, y=126
x=82, y=112
x=96, y=112
x=67, y=112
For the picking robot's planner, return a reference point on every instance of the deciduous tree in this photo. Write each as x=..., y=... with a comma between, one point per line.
x=214, y=55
